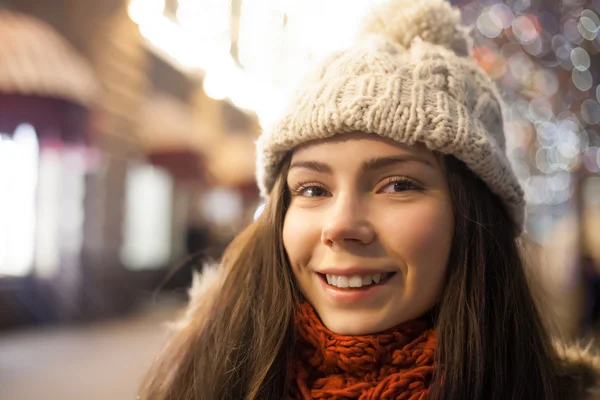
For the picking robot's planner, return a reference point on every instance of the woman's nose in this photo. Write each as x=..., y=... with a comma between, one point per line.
x=347, y=223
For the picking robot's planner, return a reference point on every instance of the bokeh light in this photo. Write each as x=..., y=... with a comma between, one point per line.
x=588, y=24
x=590, y=111
x=582, y=79
x=489, y=24
x=580, y=59
x=526, y=28
x=552, y=90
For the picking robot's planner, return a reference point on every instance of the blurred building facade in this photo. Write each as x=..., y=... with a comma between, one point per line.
x=128, y=163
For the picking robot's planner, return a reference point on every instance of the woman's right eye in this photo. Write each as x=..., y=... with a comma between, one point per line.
x=310, y=190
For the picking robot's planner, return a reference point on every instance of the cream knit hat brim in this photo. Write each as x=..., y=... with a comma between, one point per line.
x=425, y=93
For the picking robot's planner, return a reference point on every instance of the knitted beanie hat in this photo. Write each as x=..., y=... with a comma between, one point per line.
x=408, y=78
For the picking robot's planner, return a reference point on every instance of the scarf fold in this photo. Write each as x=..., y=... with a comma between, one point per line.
x=394, y=365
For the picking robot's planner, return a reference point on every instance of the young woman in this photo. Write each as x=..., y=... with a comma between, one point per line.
x=386, y=264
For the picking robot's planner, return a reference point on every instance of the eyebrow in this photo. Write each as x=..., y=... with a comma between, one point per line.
x=371, y=164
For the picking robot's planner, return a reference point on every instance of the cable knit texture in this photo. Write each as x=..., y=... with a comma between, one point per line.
x=394, y=365
x=408, y=78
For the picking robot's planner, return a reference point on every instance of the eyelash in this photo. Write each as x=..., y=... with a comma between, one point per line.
x=412, y=184
x=299, y=188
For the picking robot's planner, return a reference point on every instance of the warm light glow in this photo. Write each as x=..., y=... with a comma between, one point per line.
x=141, y=11
x=219, y=77
x=274, y=56
x=206, y=21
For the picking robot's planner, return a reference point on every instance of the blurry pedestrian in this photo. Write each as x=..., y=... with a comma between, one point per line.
x=386, y=263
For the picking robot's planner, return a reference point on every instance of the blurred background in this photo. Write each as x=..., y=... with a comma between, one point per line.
x=127, y=132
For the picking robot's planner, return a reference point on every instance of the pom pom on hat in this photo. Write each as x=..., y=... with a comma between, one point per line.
x=432, y=21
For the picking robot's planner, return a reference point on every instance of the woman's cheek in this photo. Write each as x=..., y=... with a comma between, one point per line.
x=300, y=232
x=421, y=233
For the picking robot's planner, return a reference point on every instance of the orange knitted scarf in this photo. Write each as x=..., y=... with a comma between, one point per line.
x=394, y=365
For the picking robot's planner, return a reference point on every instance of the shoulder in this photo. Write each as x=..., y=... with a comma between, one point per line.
x=579, y=370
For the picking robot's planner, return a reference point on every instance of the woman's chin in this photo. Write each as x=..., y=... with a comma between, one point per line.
x=352, y=323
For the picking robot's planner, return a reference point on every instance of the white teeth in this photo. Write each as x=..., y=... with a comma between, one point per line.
x=354, y=281
x=342, y=282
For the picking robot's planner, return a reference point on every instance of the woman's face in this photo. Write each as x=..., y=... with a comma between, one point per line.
x=368, y=231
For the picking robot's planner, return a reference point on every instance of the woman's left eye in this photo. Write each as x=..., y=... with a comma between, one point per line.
x=398, y=185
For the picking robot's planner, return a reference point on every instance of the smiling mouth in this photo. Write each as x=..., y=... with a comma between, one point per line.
x=355, y=282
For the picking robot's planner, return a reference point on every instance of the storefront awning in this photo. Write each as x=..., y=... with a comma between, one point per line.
x=35, y=60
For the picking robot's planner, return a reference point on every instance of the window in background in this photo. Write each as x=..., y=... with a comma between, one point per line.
x=47, y=252
x=18, y=181
x=148, y=216
x=223, y=208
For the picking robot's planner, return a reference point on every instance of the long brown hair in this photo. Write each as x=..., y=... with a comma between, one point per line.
x=492, y=344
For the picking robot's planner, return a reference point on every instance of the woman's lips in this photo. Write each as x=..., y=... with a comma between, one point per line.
x=348, y=294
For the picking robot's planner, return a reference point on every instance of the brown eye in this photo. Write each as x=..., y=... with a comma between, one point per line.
x=309, y=189
x=313, y=191
x=399, y=185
